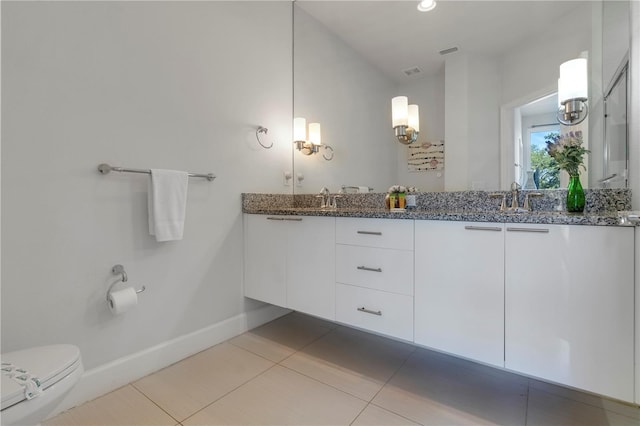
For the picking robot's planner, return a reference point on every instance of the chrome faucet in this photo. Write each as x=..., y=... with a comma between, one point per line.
x=515, y=193
x=325, y=194
x=515, y=196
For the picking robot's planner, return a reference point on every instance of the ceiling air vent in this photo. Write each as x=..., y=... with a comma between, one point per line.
x=449, y=50
x=412, y=71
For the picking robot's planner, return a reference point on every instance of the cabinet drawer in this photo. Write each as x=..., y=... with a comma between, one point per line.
x=383, y=233
x=376, y=268
x=378, y=311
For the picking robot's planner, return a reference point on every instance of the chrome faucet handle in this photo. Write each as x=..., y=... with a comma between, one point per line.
x=515, y=186
x=503, y=203
x=334, y=203
x=323, y=202
x=528, y=195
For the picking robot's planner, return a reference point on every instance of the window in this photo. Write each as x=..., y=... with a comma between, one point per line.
x=540, y=162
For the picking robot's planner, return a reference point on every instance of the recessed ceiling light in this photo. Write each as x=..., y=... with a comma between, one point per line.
x=426, y=5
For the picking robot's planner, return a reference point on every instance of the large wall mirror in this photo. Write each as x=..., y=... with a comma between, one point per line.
x=483, y=73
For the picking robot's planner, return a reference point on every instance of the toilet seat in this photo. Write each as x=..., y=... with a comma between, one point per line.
x=49, y=364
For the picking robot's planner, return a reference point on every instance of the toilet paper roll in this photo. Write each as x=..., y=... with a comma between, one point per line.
x=121, y=301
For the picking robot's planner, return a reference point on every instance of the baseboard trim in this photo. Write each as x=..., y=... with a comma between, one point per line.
x=115, y=374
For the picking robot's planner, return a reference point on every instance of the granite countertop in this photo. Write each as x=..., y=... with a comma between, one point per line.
x=603, y=207
x=539, y=217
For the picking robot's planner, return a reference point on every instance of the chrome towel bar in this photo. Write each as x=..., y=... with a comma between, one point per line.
x=106, y=168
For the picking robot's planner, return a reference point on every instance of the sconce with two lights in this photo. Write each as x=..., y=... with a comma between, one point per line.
x=313, y=143
x=405, y=119
x=573, y=92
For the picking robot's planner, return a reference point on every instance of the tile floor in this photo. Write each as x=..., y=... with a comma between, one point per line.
x=299, y=370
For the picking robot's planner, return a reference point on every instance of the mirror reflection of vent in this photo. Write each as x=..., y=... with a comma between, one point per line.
x=449, y=50
x=412, y=71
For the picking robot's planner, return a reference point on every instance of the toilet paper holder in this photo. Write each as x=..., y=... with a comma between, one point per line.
x=119, y=270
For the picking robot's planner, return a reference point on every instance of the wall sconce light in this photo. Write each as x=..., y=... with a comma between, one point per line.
x=405, y=119
x=313, y=143
x=573, y=86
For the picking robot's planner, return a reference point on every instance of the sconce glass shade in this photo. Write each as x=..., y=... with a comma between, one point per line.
x=400, y=111
x=414, y=118
x=573, y=82
x=314, y=134
x=299, y=129
x=573, y=92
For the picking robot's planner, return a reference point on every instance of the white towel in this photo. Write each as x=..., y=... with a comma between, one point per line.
x=363, y=189
x=167, y=202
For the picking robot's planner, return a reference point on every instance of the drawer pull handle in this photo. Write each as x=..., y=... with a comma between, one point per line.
x=368, y=311
x=295, y=219
x=540, y=230
x=275, y=218
x=483, y=228
x=364, y=268
x=369, y=233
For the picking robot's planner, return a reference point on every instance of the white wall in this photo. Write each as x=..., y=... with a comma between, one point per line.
x=471, y=123
x=428, y=92
x=177, y=85
x=351, y=100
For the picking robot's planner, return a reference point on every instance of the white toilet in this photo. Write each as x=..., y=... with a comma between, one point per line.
x=56, y=367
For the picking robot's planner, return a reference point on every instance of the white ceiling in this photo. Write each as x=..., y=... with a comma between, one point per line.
x=394, y=35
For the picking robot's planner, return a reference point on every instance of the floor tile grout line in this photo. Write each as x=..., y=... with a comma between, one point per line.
x=228, y=393
x=397, y=414
x=323, y=383
x=253, y=353
x=387, y=382
x=395, y=372
x=360, y=413
x=331, y=330
x=132, y=384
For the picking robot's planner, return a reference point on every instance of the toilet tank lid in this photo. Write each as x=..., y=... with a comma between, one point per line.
x=49, y=363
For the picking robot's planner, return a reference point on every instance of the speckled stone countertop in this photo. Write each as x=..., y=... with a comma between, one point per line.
x=602, y=207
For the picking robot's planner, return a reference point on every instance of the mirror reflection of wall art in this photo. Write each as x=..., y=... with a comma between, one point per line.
x=425, y=156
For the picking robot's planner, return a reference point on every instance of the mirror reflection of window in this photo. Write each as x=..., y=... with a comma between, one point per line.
x=538, y=124
x=541, y=164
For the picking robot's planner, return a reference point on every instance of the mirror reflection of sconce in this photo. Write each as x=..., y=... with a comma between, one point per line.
x=405, y=119
x=573, y=92
x=311, y=145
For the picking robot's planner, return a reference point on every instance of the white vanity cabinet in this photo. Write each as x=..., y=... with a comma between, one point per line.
x=569, y=307
x=374, y=275
x=289, y=262
x=459, y=288
x=554, y=302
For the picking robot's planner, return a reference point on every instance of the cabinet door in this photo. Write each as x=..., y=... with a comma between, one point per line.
x=264, y=263
x=459, y=289
x=569, y=305
x=311, y=266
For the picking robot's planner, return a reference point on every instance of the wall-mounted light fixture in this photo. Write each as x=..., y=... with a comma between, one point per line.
x=405, y=119
x=573, y=86
x=313, y=143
